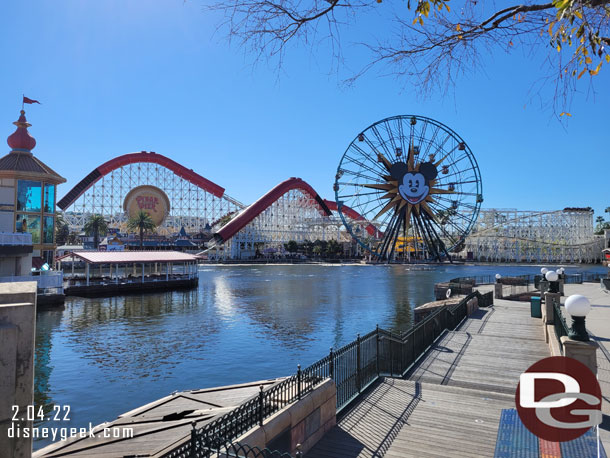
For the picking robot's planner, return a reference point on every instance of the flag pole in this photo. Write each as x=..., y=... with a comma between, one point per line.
x=22, y=102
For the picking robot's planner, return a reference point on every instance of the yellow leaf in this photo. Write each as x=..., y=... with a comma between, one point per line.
x=551, y=28
x=593, y=72
x=421, y=21
x=510, y=43
x=460, y=37
x=415, y=20
x=588, y=60
x=565, y=113
x=608, y=58
x=581, y=73
x=578, y=14
x=448, y=9
x=458, y=27
x=558, y=48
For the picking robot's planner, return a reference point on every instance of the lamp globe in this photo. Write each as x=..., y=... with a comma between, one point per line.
x=577, y=305
x=551, y=275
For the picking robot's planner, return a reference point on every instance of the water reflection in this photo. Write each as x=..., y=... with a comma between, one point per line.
x=105, y=356
x=46, y=323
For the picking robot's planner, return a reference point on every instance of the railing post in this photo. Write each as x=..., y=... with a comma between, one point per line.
x=358, y=384
x=194, y=439
x=331, y=364
x=261, y=406
x=424, y=334
x=391, y=343
x=299, y=382
x=377, y=339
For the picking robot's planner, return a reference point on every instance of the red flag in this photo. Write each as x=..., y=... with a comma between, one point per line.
x=28, y=100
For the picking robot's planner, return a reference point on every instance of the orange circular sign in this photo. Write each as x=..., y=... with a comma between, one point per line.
x=148, y=199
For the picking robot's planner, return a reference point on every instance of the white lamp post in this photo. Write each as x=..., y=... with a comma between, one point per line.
x=498, y=276
x=551, y=275
x=544, y=270
x=578, y=307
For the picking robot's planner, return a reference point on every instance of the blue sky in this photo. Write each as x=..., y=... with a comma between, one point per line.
x=121, y=76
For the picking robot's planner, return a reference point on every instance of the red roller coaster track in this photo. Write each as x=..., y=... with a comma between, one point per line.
x=353, y=214
x=133, y=158
x=241, y=220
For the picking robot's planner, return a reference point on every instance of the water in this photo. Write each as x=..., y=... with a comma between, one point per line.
x=102, y=357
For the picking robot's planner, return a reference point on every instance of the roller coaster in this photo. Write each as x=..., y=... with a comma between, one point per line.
x=293, y=210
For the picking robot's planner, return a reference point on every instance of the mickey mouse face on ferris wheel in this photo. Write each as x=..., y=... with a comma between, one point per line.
x=414, y=184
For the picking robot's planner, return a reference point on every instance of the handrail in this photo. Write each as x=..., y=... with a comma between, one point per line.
x=559, y=324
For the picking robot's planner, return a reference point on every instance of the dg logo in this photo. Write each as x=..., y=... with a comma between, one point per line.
x=559, y=399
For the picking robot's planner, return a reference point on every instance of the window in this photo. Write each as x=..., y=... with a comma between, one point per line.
x=49, y=198
x=47, y=235
x=29, y=223
x=29, y=195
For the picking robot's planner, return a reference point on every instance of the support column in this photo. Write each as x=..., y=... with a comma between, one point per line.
x=498, y=290
x=167, y=271
x=72, y=266
x=117, y=274
x=142, y=272
x=549, y=311
x=87, y=272
x=584, y=352
x=17, y=332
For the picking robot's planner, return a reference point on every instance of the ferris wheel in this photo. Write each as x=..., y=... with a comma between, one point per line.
x=416, y=182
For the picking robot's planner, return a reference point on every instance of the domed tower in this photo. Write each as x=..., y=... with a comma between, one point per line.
x=28, y=192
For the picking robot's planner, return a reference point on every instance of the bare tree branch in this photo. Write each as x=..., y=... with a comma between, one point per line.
x=434, y=46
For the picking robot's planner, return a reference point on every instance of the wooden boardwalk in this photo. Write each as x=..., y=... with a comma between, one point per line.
x=451, y=403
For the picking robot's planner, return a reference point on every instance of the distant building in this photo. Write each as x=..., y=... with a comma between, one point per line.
x=112, y=243
x=28, y=193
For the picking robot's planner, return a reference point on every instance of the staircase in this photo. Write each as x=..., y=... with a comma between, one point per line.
x=451, y=402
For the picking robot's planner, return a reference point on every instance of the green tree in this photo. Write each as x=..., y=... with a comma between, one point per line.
x=96, y=225
x=62, y=231
x=430, y=43
x=334, y=248
x=142, y=222
x=308, y=247
x=72, y=238
x=291, y=246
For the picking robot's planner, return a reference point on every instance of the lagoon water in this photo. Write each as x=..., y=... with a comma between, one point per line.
x=102, y=357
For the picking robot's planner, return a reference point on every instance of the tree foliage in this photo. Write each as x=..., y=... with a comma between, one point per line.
x=435, y=41
x=96, y=225
x=141, y=222
x=62, y=231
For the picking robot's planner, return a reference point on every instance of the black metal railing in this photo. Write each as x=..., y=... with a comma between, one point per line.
x=559, y=323
x=589, y=277
x=352, y=367
x=491, y=279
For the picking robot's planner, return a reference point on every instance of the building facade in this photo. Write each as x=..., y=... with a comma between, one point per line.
x=28, y=190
